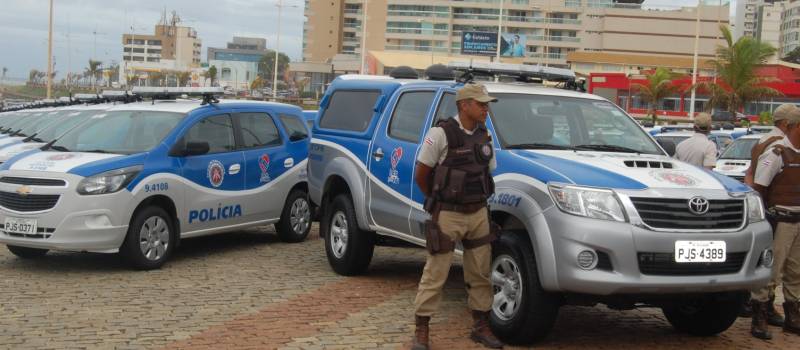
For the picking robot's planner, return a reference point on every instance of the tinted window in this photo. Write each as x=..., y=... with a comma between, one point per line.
x=294, y=127
x=70, y=120
x=258, y=130
x=409, y=115
x=216, y=130
x=447, y=108
x=349, y=110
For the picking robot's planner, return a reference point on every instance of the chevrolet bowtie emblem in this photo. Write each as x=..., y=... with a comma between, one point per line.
x=24, y=190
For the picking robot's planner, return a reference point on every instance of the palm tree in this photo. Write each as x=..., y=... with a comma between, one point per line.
x=93, y=70
x=211, y=74
x=737, y=81
x=659, y=85
x=5, y=70
x=32, y=76
x=183, y=77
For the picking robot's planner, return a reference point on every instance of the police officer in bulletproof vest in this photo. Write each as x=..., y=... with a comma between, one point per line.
x=777, y=179
x=454, y=172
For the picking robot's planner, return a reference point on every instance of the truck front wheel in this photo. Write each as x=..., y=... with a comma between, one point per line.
x=349, y=249
x=522, y=312
x=707, y=315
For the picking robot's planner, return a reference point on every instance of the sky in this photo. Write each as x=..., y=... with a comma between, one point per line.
x=23, y=27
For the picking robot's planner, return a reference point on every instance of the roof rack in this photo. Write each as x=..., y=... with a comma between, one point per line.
x=120, y=96
x=209, y=94
x=521, y=72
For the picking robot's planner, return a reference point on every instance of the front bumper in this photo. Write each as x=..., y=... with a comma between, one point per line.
x=622, y=244
x=75, y=222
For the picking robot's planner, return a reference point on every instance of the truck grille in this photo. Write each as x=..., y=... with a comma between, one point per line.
x=669, y=213
x=32, y=181
x=28, y=203
x=663, y=264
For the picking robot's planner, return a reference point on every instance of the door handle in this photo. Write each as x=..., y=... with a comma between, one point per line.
x=378, y=154
x=288, y=163
x=234, y=169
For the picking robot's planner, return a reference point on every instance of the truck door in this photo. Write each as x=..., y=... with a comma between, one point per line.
x=393, y=154
x=445, y=108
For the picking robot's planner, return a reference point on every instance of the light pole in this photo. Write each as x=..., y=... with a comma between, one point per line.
x=500, y=29
x=433, y=26
x=694, y=63
x=277, y=48
x=50, y=54
x=363, y=37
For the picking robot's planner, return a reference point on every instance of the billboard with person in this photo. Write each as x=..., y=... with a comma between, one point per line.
x=512, y=45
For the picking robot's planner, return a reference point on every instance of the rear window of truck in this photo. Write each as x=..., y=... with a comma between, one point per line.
x=350, y=110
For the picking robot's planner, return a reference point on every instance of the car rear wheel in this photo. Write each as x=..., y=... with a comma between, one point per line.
x=349, y=249
x=150, y=239
x=27, y=253
x=522, y=312
x=295, y=220
x=707, y=315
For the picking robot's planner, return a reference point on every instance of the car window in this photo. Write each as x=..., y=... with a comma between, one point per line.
x=739, y=149
x=349, y=110
x=71, y=119
x=409, y=115
x=216, y=130
x=294, y=127
x=258, y=130
x=446, y=108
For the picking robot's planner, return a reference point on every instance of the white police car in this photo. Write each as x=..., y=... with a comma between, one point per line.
x=735, y=160
x=138, y=177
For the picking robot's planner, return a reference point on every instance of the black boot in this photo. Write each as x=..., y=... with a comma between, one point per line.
x=747, y=310
x=759, y=327
x=421, y=333
x=773, y=317
x=481, y=333
x=792, y=311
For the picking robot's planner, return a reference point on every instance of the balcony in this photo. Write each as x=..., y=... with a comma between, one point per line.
x=420, y=31
x=419, y=48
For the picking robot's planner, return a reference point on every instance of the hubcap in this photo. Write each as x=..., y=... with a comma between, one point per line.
x=507, y=284
x=154, y=238
x=338, y=239
x=300, y=216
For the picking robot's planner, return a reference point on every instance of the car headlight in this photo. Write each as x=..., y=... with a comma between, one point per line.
x=109, y=181
x=588, y=202
x=755, y=207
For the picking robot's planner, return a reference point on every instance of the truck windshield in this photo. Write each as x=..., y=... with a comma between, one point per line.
x=43, y=122
x=120, y=132
x=553, y=122
x=739, y=149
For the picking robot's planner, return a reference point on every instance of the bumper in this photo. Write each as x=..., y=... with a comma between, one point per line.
x=622, y=243
x=75, y=222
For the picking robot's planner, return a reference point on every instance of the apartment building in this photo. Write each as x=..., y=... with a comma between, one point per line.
x=171, y=47
x=790, y=27
x=551, y=28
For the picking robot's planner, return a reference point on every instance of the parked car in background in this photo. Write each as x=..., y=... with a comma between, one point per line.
x=735, y=160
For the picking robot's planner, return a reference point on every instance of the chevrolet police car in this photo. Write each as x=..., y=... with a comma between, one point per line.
x=592, y=209
x=735, y=160
x=137, y=178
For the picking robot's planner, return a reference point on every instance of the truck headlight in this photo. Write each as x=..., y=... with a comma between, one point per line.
x=755, y=208
x=588, y=202
x=109, y=181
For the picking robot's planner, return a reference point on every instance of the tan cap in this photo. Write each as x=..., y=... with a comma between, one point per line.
x=786, y=111
x=702, y=121
x=475, y=91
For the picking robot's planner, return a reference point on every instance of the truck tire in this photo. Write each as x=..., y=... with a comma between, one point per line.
x=27, y=253
x=295, y=222
x=522, y=312
x=705, y=316
x=150, y=240
x=349, y=249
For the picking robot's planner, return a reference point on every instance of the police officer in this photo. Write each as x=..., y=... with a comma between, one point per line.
x=781, y=120
x=777, y=179
x=698, y=149
x=454, y=172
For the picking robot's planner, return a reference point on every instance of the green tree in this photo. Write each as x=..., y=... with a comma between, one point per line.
x=765, y=118
x=211, y=74
x=737, y=80
x=794, y=56
x=5, y=70
x=266, y=68
x=33, y=76
x=257, y=84
x=183, y=77
x=659, y=85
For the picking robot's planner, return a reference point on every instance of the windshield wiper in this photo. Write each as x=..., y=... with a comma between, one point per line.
x=536, y=146
x=32, y=137
x=608, y=148
x=49, y=145
x=60, y=148
x=96, y=151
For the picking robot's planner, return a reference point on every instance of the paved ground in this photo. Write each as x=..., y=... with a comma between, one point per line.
x=248, y=290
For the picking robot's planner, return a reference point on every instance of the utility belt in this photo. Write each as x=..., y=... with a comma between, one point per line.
x=783, y=215
x=437, y=242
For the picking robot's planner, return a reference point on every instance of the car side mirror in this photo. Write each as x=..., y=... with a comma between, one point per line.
x=189, y=149
x=667, y=145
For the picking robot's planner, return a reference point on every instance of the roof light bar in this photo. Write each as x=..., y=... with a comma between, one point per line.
x=176, y=91
x=85, y=97
x=520, y=71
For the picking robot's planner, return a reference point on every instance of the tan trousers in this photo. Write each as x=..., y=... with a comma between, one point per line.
x=477, y=263
x=786, y=268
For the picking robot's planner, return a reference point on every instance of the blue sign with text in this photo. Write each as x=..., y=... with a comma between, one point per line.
x=478, y=43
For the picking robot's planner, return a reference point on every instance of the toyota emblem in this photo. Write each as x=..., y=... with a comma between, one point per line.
x=698, y=205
